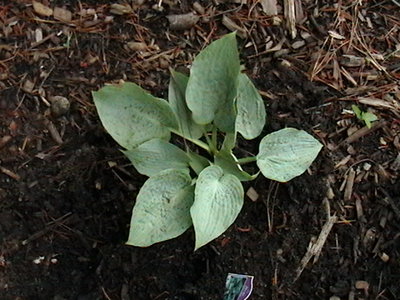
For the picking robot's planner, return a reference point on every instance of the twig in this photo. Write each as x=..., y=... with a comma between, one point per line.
x=57, y=222
x=10, y=173
x=363, y=132
x=395, y=2
x=314, y=248
x=349, y=185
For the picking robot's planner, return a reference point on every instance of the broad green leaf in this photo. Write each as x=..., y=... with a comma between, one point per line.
x=156, y=155
x=218, y=201
x=287, y=153
x=212, y=84
x=197, y=162
x=227, y=161
x=176, y=98
x=162, y=209
x=133, y=116
x=250, y=118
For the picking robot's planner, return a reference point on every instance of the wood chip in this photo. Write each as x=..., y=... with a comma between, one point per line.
x=42, y=9
x=54, y=133
x=384, y=257
x=349, y=185
x=269, y=7
x=362, y=285
x=120, y=9
x=252, y=194
x=232, y=26
x=10, y=173
x=38, y=34
x=359, y=210
x=376, y=102
x=62, y=14
x=5, y=140
x=28, y=86
x=298, y=44
x=182, y=22
x=199, y=8
x=335, y=35
x=137, y=46
x=343, y=162
x=290, y=17
x=351, y=61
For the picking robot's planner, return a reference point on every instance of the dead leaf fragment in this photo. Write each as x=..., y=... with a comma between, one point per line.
x=182, y=22
x=42, y=9
x=62, y=14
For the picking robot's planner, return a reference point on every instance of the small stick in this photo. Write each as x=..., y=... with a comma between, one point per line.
x=349, y=185
x=35, y=44
x=54, y=133
x=314, y=248
x=363, y=132
x=10, y=173
x=47, y=229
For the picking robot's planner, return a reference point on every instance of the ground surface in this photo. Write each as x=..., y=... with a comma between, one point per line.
x=66, y=192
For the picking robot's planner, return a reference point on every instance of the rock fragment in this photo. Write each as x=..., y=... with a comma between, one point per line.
x=59, y=106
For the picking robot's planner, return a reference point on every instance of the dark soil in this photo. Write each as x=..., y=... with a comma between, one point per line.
x=65, y=205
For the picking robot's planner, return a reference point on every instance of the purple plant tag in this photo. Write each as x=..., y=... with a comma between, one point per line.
x=238, y=287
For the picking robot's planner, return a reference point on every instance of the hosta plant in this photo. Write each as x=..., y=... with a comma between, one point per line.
x=197, y=181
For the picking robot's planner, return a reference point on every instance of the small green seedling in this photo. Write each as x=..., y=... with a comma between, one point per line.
x=207, y=109
x=365, y=116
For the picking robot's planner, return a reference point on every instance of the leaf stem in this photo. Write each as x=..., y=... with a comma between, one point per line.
x=214, y=138
x=194, y=141
x=246, y=160
x=212, y=146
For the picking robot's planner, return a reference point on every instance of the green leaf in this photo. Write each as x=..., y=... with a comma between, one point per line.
x=156, y=155
x=212, y=84
x=218, y=201
x=250, y=118
x=287, y=153
x=176, y=98
x=357, y=111
x=162, y=209
x=228, y=162
x=132, y=116
x=365, y=116
x=197, y=162
x=369, y=118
